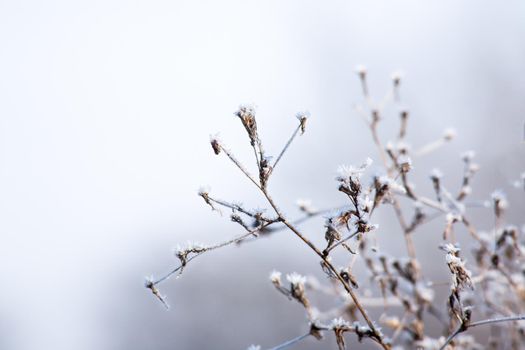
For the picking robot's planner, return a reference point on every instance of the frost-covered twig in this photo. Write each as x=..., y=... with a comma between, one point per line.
x=302, y=117
x=464, y=327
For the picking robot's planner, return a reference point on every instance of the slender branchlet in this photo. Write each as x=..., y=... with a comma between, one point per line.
x=361, y=72
x=302, y=117
x=464, y=327
x=403, y=115
x=448, y=135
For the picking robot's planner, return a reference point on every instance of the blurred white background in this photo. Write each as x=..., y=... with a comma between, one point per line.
x=105, y=112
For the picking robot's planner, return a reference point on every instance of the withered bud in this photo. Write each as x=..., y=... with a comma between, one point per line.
x=302, y=117
x=305, y=205
x=361, y=71
x=461, y=277
x=297, y=288
x=405, y=164
x=216, y=145
x=275, y=277
x=315, y=331
x=332, y=234
x=392, y=322
x=346, y=274
x=265, y=169
x=237, y=218
x=396, y=78
x=204, y=194
x=500, y=203
x=449, y=134
x=246, y=114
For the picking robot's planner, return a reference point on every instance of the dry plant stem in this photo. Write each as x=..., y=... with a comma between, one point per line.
x=332, y=269
x=237, y=207
x=240, y=166
x=387, y=98
x=464, y=327
x=406, y=232
x=219, y=245
x=256, y=154
x=432, y=204
x=377, y=141
x=285, y=148
x=397, y=208
x=291, y=342
x=429, y=147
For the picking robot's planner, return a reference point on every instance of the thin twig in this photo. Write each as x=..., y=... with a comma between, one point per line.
x=240, y=166
x=209, y=248
x=290, y=342
x=462, y=328
x=285, y=148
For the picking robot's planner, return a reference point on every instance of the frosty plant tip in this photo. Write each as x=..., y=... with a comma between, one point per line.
x=486, y=288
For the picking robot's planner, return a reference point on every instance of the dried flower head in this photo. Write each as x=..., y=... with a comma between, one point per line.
x=461, y=276
x=296, y=280
x=405, y=163
x=499, y=201
x=361, y=70
x=275, y=277
x=449, y=134
x=215, y=144
x=436, y=174
x=396, y=77
x=349, y=172
x=246, y=114
x=302, y=117
x=468, y=156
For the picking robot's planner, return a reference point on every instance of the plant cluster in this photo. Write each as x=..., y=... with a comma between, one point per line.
x=488, y=291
